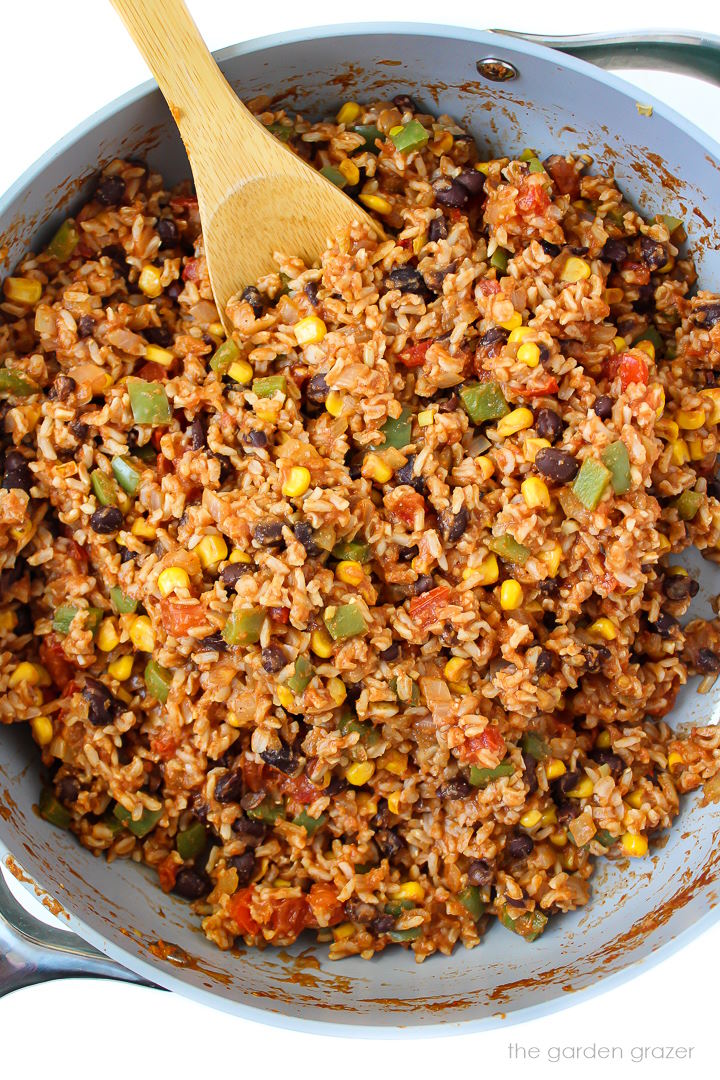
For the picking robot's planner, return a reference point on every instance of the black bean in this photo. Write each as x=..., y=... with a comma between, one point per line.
x=679, y=586
x=450, y=404
x=459, y=788
x=603, y=756
x=102, y=706
x=472, y=180
x=406, y=475
x=665, y=625
x=407, y=279
x=544, y=662
x=159, y=549
x=434, y=278
x=559, y=788
x=423, y=584
x=530, y=773
x=453, y=526
x=603, y=407
x=358, y=911
x=438, y=228
x=67, y=789
x=159, y=335
x=106, y=520
x=707, y=316
x=558, y=465
x=86, y=326
x=382, y=924
x=283, y=759
x=17, y=474
x=451, y=193
x=110, y=190
x=252, y=832
x=407, y=554
x=389, y=842
x=713, y=488
x=273, y=658
x=244, y=866
x=567, y=809
x=480, y=872
x=493, y=336
x=168, y=232
x=12, y=574
x=229, y=787
x=391, y=653
x=255, y=438
x=404, y=103
x=708, y=662
x=303, y=533
x=215, y=641
x=550, y=249
x=192, y=884
x=336, y=785
x=549, y=424
x=231, y=574
x=595, y=656
x=579, y=250
x=519, y=846
x=198, y=438
x=174, y=289
x=268, y=533
x=355, y=470
x=652, y=253
x=317, y=390
x=251, y=296
x=62, y=388
x=615, y=251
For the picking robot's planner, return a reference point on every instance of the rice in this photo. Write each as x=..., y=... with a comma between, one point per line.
x=362, y=620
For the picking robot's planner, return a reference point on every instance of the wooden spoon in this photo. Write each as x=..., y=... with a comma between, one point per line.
x=255, y=195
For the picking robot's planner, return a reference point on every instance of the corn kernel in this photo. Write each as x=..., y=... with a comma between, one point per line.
x=285, y=697
x=297, y=483
x=241, y=372
x=679, y=451
x=634, y=845
x=456, y=668
x=519, y=334
x=511, y=595
x=26, y=673
x=8, y=620
x=531, y=819
x=695, y=447
x=533, y=445
x=359, y=773
x=238, y=556
x=583, y=789
x=142, y=528
x=395, y=130
x=42, y=729
x=350, y=171
x=336, y=690
x=149, y=282
x=575, y=270
x=647, y=347
x=535, y=493
x=375, y=468
x=691, y=419
x=515, y=421
x=513, y=322
x=23, y=532
x=604, y=628
x=121, y=668
x=675, y=759
x=334, y=403
x=419, y=243
x=107, y=636
x=552, y=559
x=661, y=404
x=613, y=296
x=529, y=354
x=425, y=418
x=343, y=931
x=442, y=143
x=483, y=167
x=211, y=550
x=349, y=113
x=142, y=634
x=22, y=290
x=712, y=397
x=635, y=798
x=489, y=569
x=549, y=817
x=410, y=890
x=350, y=571
x=485, y=465
x=620, y=344
x=233, y=720
x=376, y=203
x=559, y=838
x=321, y=643
x=395, y=762
x=216, y=329
x=667, y=429
x=393, y=801
x=310, y=331
x=155, y=355
x=603, y=740
x=366, y=803
x=554, y=767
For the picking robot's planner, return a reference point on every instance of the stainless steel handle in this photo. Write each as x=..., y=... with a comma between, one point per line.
x=33, y=952
x=678, y=51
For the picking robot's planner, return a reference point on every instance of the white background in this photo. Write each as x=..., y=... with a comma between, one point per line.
x=60, y=62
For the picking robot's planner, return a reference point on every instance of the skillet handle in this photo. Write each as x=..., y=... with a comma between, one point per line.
x=32, y=952
x=683, y=52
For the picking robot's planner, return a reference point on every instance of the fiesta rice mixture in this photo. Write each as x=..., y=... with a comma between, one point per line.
x=364, y=619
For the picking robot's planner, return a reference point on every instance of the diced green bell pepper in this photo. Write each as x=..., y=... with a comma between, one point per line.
x=65, y=240
x=52, y=810
x=191, y=841
x=471, y=899
x=529, y=925
x=397, y=432
x=149, y=402
x=508, y=548
x=536, y=747
x=528, y=154
x=267, y=812
x=353, y=550
x=345, y=621
x=103, y=488
x=396, y=907
x=369, y=133
x=65, y=614
x=146, y=453
x=535, y=165
x=158, y=680
x=224, y=356
x=687, y=504
x=484, y=401
x=124, y=605
x=11, y=382
x=243, y=627
x=671, y=222
x=499, y=259
x=280, y=130
x=304, y=672
x=617, y=460
x=144, y=824
x=480, y=777
x=605, y=838
x=269, y=385
x=405, y=935
x=414, y=692
x=334, y=176
x=653, y=336
x=413, y=136
x=590, y=483
x=126, y=474
x=365, y=729
x=309, y=824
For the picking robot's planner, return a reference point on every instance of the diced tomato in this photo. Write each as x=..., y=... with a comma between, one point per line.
x=490, y=739
x=164, y=744
x=77, y=552
x=279, y=614
x=163, y=466
x=414, y=355
x=406, y=242
x=424, y=609
x=52, y=657
x=547, y=386
x=289, y=917
x=239, y=908
x=299, y=788
x=156, y=437
x=533, y=200
x=84, y=251
x=565, y=175
x=191, y=270
x=325, y=908
x=152, y=372
x=254, y=774
x=487, y=287
x=178, y=619
x=180, y=203
x=454, y=214
x=299, y=373
x=630, y=367
x=71, y=688
x=404, y=505
x=167, y=872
